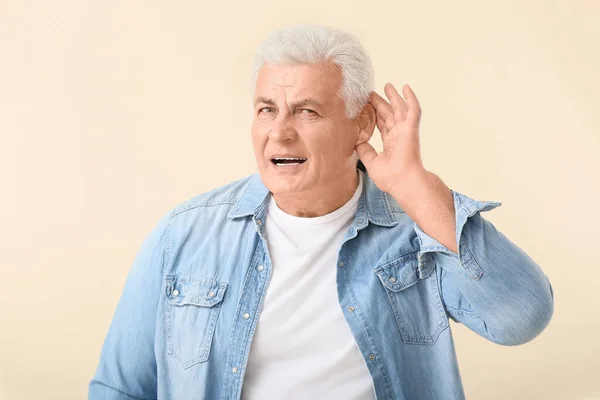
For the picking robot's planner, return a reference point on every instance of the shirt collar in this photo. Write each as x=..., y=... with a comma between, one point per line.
x=374, y=205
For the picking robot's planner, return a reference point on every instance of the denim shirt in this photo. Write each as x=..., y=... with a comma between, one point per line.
x=184, y=324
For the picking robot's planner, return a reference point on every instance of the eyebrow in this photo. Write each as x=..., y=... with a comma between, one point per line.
x=297, y=104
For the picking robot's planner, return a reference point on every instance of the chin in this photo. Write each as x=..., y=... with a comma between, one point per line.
x=282, y=185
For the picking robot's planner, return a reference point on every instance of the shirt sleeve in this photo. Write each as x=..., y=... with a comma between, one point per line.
x=491, y=285
x=127, y=367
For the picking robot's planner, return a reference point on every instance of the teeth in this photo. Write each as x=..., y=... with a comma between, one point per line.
x=288, y=161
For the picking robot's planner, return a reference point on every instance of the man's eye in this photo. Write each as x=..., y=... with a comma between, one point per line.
x=269, y=109
x=309, y=111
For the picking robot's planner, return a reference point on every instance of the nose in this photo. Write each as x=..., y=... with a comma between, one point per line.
x=282, y=129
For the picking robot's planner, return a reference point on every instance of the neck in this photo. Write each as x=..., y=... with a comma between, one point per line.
x=320, y=201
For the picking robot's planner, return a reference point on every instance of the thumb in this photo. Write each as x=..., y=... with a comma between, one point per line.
x=366, y=153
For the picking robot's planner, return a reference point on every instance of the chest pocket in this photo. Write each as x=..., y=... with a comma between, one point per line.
x=191, y=312
x=415, y=301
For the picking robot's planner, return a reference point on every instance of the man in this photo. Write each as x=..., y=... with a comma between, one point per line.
x=320, y=277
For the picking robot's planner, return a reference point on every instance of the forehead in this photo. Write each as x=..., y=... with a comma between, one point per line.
x=320, y=82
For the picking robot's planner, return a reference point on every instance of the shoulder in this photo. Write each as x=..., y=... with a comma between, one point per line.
x=222, y=197
x=202, y=211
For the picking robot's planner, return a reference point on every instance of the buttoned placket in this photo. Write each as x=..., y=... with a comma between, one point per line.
x=247, y=313
x=364, y=340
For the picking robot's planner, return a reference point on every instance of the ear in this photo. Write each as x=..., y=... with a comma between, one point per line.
x=366, y=124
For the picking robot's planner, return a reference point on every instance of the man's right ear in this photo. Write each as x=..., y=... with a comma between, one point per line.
x=366, y=124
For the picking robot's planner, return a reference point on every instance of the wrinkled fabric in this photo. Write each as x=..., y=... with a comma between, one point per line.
x=184, y=324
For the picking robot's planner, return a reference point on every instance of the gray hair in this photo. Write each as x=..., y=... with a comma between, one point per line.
x=316, y=44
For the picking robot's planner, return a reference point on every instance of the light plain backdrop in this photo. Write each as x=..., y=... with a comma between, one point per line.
x=112, y=113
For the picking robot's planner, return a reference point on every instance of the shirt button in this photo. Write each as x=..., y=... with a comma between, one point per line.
x=259, y=221
x=246, y=316
x=351, y=309
x=234, y=370
x=341, y=263
x=175, y=292
x=260, y=268
x=359, y=221
x=211, y=294
x=371, y=357
x=392, y=279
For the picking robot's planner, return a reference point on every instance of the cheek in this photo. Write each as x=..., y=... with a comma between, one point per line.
x=258, y=147
x=258, y=135
x=329, y=145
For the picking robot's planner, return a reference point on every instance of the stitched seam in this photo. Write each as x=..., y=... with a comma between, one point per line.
x=252, y=330
x=477, y=268
x=397, y=258
x=370, y=338
x=194, y=206
x=227, y=381
x=443, y=324
x=387, y=204
x=366, y=206
x=460, y=311
x=236, y=203
x=167, y=244
x=436, y=248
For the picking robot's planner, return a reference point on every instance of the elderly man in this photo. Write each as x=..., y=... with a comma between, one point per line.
x=323, y=276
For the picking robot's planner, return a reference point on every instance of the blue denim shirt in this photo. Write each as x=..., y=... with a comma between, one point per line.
x=181, y=329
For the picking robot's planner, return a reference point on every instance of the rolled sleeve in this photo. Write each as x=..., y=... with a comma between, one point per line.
x=464, y=208
x=491, y=285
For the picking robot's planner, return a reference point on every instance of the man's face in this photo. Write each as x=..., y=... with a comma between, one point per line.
x=299, y=114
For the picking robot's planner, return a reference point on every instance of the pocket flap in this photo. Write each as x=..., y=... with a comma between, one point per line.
x=399, y=274
x=198, y=291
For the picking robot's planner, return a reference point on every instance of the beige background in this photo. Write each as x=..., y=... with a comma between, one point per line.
x=113, y=112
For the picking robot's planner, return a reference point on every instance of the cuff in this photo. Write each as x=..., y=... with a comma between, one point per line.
x=464, y=207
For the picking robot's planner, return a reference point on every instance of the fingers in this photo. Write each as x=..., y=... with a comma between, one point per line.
x=366, y=153
x=398, y=104
x=380, y=104
x=385, y=116
x=381, y=125
x=397, y=110
x=414, y=108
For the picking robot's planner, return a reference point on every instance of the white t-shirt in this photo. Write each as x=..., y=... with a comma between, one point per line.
x=303, y=347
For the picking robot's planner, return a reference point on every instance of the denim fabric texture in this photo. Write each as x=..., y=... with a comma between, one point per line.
x=180, y=332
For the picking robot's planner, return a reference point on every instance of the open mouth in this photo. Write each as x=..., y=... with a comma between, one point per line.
x=288, y=161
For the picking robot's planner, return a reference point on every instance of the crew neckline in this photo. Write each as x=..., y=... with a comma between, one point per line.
x=273, y=209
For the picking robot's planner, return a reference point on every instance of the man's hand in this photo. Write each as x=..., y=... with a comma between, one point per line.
x=399, y=171
x=398, y=122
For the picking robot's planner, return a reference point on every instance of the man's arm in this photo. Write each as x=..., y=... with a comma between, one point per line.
x=127, y=367
x=429, y=202
x=488, y=283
